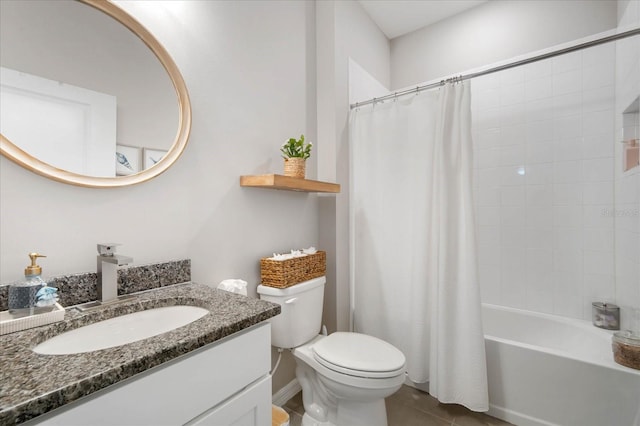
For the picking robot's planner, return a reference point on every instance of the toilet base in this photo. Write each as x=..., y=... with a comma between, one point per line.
x=354, y=413
x=307, y=420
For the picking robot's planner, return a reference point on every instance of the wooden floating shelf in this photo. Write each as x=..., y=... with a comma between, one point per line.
x=288, y=183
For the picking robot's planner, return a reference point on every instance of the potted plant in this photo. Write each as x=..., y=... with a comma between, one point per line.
x=295, y=153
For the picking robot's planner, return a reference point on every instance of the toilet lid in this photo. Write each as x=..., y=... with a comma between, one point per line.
x=359, y=355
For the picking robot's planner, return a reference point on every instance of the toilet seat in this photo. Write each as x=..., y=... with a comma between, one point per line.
x=359, y=355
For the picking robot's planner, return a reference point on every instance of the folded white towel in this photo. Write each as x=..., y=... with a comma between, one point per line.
x=294, y=253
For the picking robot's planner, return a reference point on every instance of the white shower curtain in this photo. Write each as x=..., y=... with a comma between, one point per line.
x=415, y=280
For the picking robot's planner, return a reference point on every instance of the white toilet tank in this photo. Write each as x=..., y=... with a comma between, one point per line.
x=301, y=315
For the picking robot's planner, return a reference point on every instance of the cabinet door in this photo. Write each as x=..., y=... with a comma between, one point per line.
x=176, y=391
x=252, y=407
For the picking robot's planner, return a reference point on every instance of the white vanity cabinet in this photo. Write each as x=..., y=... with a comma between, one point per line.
x=224, y=383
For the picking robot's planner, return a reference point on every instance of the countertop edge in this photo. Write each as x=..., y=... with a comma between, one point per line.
x=34, y=407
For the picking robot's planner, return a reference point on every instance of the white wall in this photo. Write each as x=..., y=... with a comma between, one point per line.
x=344, y=31
x=252, y=85
x=494, y=31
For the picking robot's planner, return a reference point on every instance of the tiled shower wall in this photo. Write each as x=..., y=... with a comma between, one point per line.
x=627, y=184
x=544, y=182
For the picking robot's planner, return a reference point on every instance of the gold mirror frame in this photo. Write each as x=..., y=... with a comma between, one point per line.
x=17, y=155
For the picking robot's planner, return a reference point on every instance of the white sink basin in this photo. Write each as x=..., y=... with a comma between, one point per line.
x=120, y=330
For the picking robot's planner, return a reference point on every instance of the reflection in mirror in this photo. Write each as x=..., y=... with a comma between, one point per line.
x=85, y=95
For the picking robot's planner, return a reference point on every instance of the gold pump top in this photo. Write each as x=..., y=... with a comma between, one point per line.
x=33, y=269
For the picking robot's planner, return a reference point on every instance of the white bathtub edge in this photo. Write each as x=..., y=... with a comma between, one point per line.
x=515, y=417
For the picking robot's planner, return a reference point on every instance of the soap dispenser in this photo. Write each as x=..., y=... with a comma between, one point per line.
x=23, y=294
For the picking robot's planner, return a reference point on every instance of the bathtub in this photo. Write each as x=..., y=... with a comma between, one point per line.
x=549, y=370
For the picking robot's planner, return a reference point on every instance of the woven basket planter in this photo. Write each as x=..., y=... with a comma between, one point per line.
x=285, y=273
x=295, y=167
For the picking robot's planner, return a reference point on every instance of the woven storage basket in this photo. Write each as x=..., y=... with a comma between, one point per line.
x=285, y=273
x=295, y=167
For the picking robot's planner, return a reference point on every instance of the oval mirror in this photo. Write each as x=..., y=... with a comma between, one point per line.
x=89, y=97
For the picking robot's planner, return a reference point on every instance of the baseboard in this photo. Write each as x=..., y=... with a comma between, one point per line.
x=286, y=393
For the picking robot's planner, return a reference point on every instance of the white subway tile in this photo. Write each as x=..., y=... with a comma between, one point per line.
x=627, y=246
x=539, y=238
x=567, y=149
x=568, y=294
x=568, y=239
x=488, y=118
x=568, y=259
x=512, y=175
x=540, y=88
x=567, y=62
x=511, y=76
x=567, y=194
x=512, y=277
x=512, y=155
x=488, y=216
x=489, y=236
x=512, y=114
x=598, y=122
x=599, y=262
x=598, y=170
x=599, y=75
x=538, y=174
x=567, y=216
x=598, y=146
x=598, y=216
x=539, y=131
x=539, y=217
x=569, y=104
x=489, y=98
x=538, y=260
x=598, y=99
x=486, y=82
x=538, y=69
x=488, y=195
x=598, y=239
x=598, y=193
x=539, y=195
x=604, y=53
x=513, y=135
x=627, y=190
x=488, y=158
x=567, y=82
x=567, y=171
x=488, y=255
x=512, y=237
x=539, y=110
x=540, y=297
x=513, y=216
x=489, y=276
x=490, y=177
x=569, y=127
x=513, y=94
x=512, y=195
x=489, y=138
x=539, y=152
x=599, y=287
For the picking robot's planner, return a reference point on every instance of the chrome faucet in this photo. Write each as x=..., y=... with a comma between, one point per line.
x=108, y=262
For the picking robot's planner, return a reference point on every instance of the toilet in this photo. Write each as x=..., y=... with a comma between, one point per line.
x=344, y=376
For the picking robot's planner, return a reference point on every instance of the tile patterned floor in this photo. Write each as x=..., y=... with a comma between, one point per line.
x=411, y=407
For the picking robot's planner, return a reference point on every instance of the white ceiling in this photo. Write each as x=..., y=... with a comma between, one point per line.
x=398, y=17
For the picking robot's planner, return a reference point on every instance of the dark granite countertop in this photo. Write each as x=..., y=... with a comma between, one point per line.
x=32, y=384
